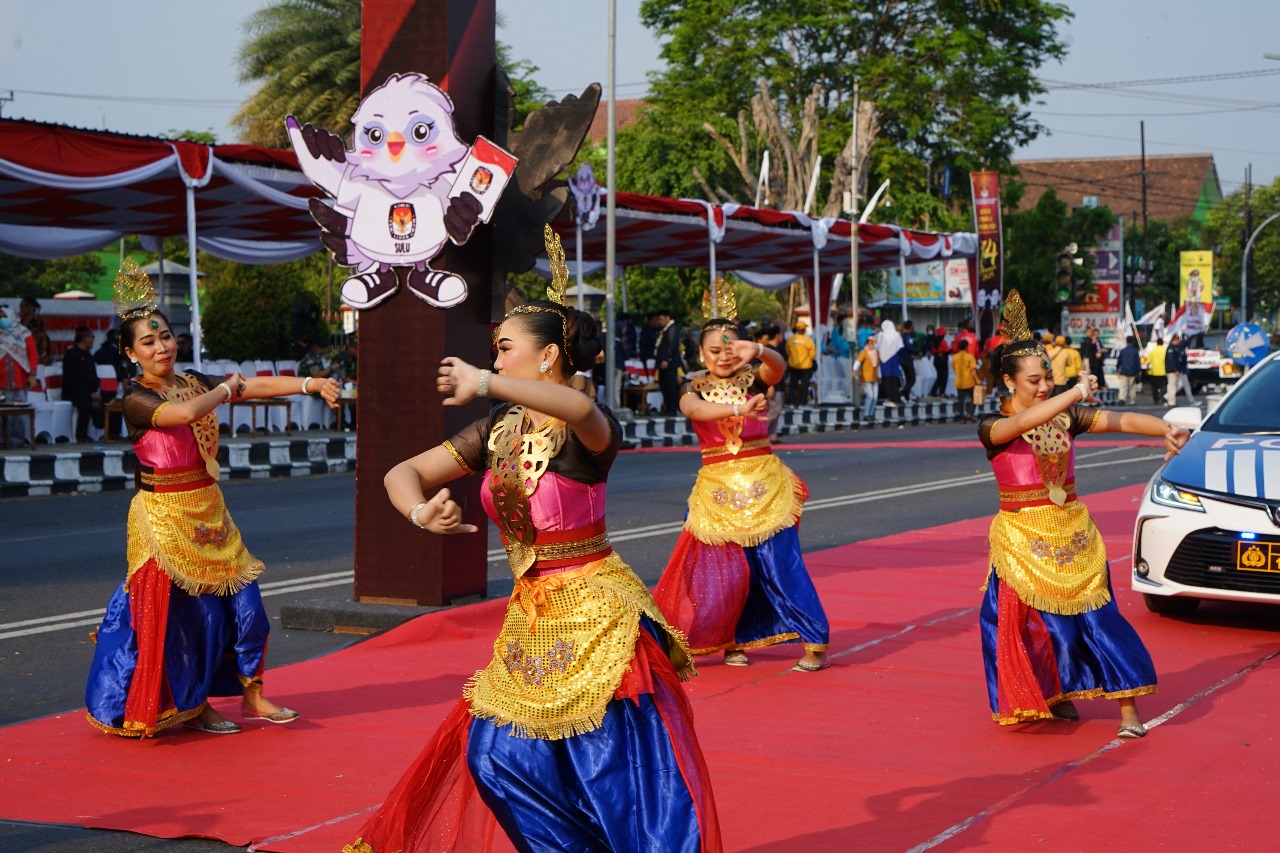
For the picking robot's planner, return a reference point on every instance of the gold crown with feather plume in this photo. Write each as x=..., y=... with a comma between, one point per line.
x=133, y=293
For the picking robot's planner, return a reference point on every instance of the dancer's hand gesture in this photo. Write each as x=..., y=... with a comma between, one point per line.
x=442, y=515
x=1090, y=384
x=745, y=352
x=458, y=381
x=1174, y=438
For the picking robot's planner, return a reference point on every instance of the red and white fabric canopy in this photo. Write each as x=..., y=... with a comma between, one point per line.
x=65, y=192
x=665, y=232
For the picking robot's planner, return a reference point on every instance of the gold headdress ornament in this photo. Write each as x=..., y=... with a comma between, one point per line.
x=555, y=291
x=133, y=292
x=718, y=302
x=1015, y=328
x=559, y=270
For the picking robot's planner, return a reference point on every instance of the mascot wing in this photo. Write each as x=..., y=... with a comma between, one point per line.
x=545, y=146
x=322, y=155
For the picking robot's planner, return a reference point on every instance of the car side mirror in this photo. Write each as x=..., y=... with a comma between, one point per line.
x=1187, y=417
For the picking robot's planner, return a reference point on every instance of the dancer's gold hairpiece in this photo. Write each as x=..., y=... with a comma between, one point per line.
x=1016, y=331
x=133, y=293
x=720, y=295
x=555, y=291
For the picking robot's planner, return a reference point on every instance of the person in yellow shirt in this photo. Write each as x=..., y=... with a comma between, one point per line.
x=867, y=368
x=800, y=354
x=965, y=368
x=1156, y=371
x=1074, y=361
x=1060, y=361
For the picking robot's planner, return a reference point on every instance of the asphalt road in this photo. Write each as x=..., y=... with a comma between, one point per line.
x=61, y=556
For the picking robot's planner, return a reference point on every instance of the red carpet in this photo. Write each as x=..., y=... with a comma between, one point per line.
x=890, y=749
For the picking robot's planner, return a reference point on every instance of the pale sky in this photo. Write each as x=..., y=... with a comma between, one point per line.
x=152, y=66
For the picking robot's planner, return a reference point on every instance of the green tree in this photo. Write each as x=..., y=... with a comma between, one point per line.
x=304, y=56
x=42, y=279
x=253, y=311
x=1225, y=235
x=1165, y=242
x=950, y=83
x=1032, y=240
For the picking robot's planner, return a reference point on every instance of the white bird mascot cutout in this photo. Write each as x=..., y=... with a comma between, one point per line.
x=408, y=185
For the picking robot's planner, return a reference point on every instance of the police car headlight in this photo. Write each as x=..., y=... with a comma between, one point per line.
x=1166, y=494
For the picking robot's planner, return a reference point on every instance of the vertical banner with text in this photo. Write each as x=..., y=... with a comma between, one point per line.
x=988, y=289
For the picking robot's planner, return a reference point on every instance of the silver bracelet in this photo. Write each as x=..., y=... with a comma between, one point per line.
x=1084, y=392
x=759, y=349
x=482, y=387
x=413, y=514
x=225, y=387
x=736, y=412
x=305, y=380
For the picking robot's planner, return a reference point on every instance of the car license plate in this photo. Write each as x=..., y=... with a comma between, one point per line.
x=1254, y=556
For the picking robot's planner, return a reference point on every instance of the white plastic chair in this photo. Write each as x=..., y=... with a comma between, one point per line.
x=313, y=413
x=289, y=367
x=274, y=419
x=54, y=418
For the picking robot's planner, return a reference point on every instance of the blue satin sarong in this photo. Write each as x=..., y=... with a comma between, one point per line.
x=1096, y=653
x=781, y=598
x=210, y=641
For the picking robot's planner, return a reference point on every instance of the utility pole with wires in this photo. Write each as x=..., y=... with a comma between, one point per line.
x=1146, y=255
x=5, y=99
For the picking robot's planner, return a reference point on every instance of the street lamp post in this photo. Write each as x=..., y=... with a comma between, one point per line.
x=1244, y=267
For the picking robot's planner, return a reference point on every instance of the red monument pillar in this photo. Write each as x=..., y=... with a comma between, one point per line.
x=403, y=339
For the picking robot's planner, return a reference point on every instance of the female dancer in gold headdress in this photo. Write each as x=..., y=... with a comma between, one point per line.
x=188, y=622
x=1051, y=631
x=736, y=579
x=577, y=735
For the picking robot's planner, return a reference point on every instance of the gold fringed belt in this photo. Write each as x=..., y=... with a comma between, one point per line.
x=720, y=453
x=1012, y=500
x=560, y=549
x=185, y=479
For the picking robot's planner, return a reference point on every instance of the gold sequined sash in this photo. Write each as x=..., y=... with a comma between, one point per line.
x=566, y=643
x=744, y=499
x=1052, y=557
x=191, y=536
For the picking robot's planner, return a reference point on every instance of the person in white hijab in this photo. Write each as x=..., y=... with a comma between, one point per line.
x=18, y=360
x=889, y=348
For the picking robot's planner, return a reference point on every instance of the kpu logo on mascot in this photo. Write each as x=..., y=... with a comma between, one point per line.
x=408, y=184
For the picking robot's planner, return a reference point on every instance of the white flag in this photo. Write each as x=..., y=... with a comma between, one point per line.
x=1151, y=316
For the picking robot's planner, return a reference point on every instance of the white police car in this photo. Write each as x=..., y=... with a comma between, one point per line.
x=1209, y=525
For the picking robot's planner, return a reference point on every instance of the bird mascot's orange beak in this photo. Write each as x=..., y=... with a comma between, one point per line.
x=395, y=145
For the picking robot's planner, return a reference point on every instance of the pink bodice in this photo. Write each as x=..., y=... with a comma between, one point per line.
x=709, y=434
x=558, y=503
x=168, y=447
x=1015, y=466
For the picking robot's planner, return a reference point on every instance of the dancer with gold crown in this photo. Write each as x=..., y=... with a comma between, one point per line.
x=188, y=621
x=577, y=735
x=1051, y=630
x=737, y=579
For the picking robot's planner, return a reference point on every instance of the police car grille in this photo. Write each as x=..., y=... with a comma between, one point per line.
x=1207, y=558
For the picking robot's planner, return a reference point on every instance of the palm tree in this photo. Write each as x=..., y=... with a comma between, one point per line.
x=305, y=56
